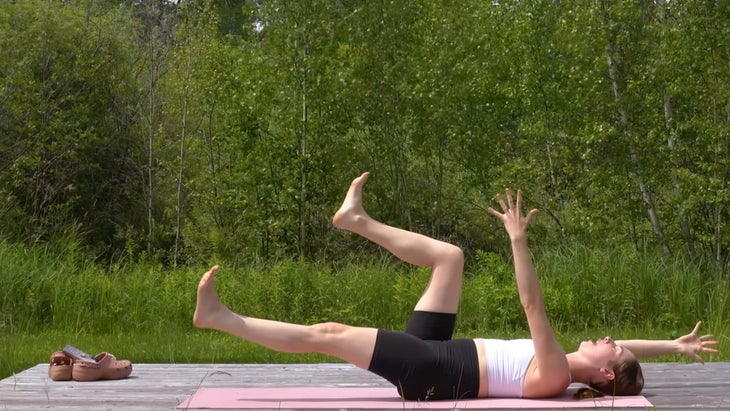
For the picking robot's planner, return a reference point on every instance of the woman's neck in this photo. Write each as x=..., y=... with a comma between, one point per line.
x=580, y=371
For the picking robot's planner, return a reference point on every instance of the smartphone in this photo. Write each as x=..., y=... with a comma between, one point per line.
x=77, y=354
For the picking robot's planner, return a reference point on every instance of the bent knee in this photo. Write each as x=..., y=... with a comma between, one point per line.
x=453, y=254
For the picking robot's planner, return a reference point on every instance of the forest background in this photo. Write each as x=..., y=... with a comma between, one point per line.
x=142, y=141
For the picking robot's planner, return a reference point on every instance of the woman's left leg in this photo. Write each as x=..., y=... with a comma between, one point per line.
x=446, y=261
x=352, y=344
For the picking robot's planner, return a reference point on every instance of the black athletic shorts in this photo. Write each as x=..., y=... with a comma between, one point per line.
x=424, y=363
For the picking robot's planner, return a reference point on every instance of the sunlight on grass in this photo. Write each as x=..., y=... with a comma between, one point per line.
x=143, y=312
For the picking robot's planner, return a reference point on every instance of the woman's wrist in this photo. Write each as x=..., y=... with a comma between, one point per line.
x=520, y=238
x=677, y=347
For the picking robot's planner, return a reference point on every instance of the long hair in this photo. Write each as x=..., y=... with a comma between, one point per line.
x=628, y=380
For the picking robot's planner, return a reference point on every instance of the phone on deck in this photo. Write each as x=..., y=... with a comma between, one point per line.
x=78, y=354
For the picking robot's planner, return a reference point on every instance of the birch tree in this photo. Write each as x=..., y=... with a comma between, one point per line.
x=154, y=39
x=614, y=74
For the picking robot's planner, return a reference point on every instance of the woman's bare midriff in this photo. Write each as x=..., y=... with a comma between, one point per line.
x=482, y=362
x=483, y=372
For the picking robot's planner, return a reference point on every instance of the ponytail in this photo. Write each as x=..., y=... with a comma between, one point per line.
x=587, y=393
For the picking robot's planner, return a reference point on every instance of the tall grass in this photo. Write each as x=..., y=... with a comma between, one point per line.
x=59, y=298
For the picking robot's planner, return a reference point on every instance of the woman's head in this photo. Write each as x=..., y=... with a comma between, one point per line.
x=617, y=370
x=627, y=379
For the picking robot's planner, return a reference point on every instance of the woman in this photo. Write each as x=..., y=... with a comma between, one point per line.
x=423, y=362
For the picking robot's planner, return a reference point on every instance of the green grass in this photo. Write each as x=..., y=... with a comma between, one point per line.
x=143, y=312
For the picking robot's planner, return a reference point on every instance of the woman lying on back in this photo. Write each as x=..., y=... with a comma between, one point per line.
x=424, y=362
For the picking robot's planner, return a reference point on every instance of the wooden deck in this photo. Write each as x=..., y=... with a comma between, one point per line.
x=163, y=386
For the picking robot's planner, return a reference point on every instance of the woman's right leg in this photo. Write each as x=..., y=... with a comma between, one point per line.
x=446, y=261
x=352, y=344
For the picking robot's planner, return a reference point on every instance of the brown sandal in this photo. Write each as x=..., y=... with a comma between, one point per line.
x=61, y=366
x=106, y=367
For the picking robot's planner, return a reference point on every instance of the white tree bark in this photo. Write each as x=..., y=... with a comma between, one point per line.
x=671, y=142
x=150, y=135
x=179, y=207
x=635, y=158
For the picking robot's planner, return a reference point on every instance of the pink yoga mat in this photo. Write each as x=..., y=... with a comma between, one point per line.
x=384, y=398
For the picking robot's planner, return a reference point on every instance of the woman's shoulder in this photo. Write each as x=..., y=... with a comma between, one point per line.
x=544, y=386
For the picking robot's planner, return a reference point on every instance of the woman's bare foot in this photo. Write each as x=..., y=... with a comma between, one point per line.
x=351, y=210
x=208, y=309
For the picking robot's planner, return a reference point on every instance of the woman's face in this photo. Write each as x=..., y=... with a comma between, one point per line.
x=604, y=352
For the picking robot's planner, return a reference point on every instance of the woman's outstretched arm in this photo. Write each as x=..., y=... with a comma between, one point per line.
x=549, y=355
x=691, y=345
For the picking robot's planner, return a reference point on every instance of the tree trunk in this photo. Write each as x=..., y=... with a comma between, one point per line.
x=150, y=135
x=634, y=154
x=183, y=130
x=719, y=229
x=303, y=158
x=439, y=184
x=671, y=142
x=719, y=223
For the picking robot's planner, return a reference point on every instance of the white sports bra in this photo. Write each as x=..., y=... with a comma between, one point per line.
x=507, y=363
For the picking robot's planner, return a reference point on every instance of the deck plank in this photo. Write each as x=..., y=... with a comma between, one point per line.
x=676, y=386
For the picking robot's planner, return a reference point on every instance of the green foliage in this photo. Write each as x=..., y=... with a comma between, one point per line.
x=67, y=157
x=181, y=132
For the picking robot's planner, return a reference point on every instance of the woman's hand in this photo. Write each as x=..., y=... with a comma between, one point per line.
x=692, y=344
x=514, y=222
